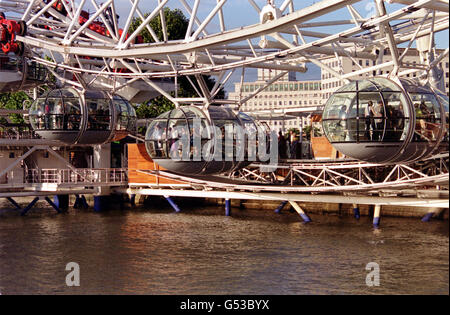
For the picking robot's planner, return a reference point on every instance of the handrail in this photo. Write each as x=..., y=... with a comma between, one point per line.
x=80, y=176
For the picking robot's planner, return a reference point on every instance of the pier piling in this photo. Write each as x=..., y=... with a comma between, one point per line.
x=80, y=202
x=227, y=207
x=428, y=217
x=281, y=207
x=301, y=212
x=31, y=205
x=77, y=204
x=173, y=204
x=98, y=203
x=356, y=211
x=61, y=202
x=377, y=216
x=50, y=202
x=14, y=203
x=431, y=213
x=133, y=200
x=84, y=202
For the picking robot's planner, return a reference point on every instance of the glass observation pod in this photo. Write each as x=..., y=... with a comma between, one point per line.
x=188, y=140
x=378, y=120
x=92, y=117
x=18, y=74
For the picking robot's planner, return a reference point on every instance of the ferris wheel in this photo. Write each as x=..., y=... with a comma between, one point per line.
x=89, y=40
x=86, y=46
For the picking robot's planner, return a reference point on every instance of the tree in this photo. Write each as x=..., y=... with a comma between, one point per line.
x=176, y=22
x=296, y=131
x=14, y=101
x=310, y=130
x=177, y=25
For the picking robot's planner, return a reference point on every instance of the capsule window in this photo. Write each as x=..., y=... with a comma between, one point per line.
x=367, y=111
x=428, y=117
x=55, y=112
x=380, y=113
x=190, y=141
x=70, y=117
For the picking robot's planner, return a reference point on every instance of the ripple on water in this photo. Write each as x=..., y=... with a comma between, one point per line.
x=203, y=252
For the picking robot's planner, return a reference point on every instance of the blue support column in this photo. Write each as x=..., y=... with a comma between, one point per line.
x=356, y=211
x=52, y=204
x=122, y=201
x=77, y=203
x=227, y=207
x=173, y=204
x=377, y=216
x=99, y=203
x=301, y=212
x=428, y=217
x=14, y=203
x=80, y=202
x=61, y=202
x=84, y=203
x=281, y=207
x=133, y=200
x=28, y=208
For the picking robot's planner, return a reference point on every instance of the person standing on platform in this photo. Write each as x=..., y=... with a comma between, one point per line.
x=47, y=116
x=378, y=114
x=370, y=123
x=296, y=148
x=282, y=146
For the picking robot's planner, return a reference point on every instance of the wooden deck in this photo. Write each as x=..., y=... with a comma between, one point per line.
x=138, y=159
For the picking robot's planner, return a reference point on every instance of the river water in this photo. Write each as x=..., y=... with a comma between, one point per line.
x=201, y=251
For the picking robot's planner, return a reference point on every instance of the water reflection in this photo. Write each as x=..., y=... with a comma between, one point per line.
x=254, y=252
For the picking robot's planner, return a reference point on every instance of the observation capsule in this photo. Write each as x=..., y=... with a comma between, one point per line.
x=188, y=140
x=379, y=120
x=19, y=74
x=92, y=117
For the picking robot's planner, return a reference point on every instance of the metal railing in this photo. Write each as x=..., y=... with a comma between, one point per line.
x=18, y=135
x=78, y=176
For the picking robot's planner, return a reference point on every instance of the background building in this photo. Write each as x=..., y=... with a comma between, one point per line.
x=330, y=83
x=285, y=94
